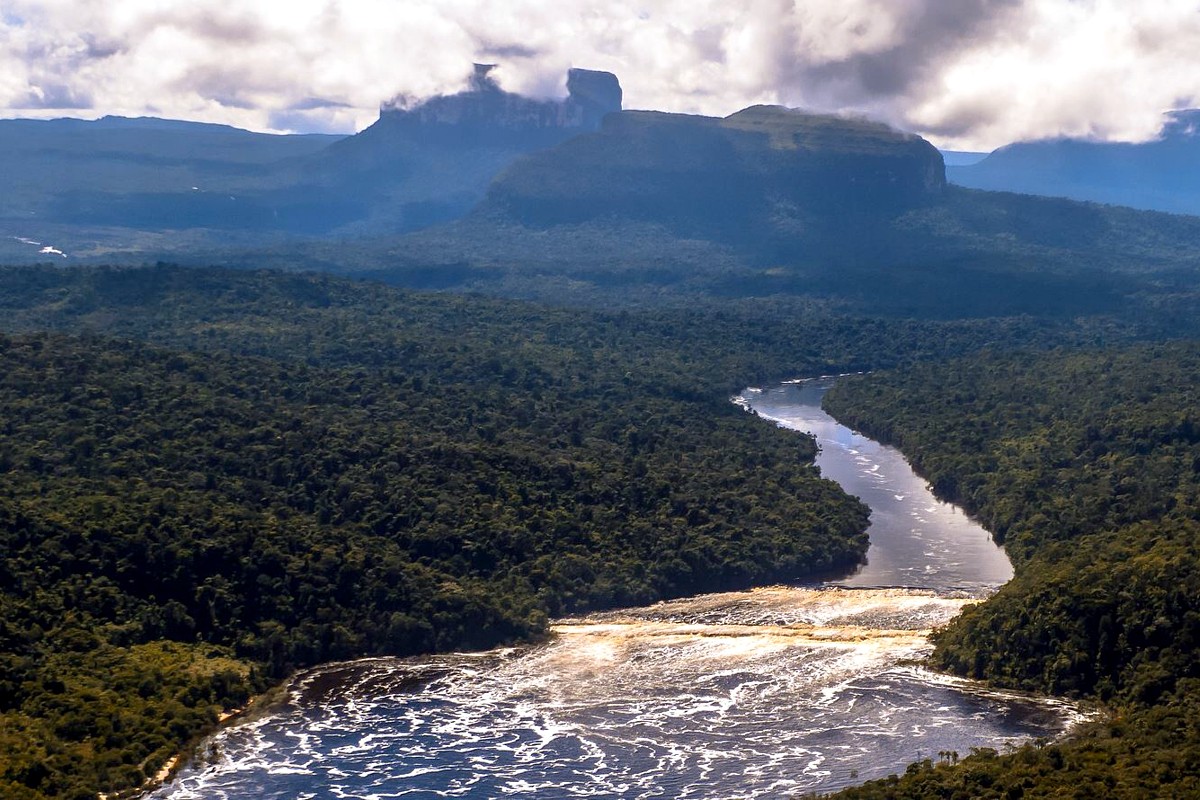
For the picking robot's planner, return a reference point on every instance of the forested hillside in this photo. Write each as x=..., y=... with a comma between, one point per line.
x=180, y=527
x=970, y=254
x=210, y=477
x=1086, y=465
x=704, y=351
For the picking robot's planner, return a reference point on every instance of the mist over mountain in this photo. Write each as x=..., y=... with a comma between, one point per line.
x=434, y=161
x=485, y=112
x=575, y=201
x=210, y=477
x=1161, y=175
x=81, y=183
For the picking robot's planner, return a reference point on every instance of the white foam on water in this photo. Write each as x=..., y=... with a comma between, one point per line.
x=743, y=694
x=756, y=694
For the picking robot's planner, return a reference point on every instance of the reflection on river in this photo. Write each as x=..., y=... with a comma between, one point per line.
x=764, y=693
x=916, y=540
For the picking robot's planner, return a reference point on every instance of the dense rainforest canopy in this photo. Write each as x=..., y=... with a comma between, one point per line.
x=208, y=478
x=1087, y=466
x=181, y=526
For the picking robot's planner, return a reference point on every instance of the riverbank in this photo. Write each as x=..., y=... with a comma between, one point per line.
x=1086, y=464
x=259, y=706
x=643, y=690
x=916, y=539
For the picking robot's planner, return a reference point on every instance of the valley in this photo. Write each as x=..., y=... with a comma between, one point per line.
x=458, y=384
x=783, y=689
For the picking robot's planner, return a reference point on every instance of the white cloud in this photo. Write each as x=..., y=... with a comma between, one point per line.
x=1105, y=69
x=971, y=73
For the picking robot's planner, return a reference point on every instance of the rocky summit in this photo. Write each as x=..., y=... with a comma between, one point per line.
x=762, y=163
x=488, y=111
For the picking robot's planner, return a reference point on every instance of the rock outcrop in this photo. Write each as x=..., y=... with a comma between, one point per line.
x=432, y=161
x=484, y=107
x=765, y=165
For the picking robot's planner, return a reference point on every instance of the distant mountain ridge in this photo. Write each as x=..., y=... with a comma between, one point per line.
x=768, y=203
x=1161, y=175
x=489, y=192
x=124, y=184
x=139, y=173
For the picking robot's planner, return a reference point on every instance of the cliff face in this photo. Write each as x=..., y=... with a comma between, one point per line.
x=761, y=166
x=433, y=162
x=487, y=110
x=596, y=95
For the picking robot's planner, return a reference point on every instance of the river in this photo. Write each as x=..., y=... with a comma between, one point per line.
x=765, y=693
x=916, y=540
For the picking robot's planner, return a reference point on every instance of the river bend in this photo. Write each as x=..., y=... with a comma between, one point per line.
x=766, y=693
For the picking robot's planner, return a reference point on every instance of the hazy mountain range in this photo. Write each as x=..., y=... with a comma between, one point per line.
x=134, y=184
x=1161, y=175
x=579, y=201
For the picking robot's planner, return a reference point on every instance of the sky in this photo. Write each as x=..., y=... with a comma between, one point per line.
x=966, y=74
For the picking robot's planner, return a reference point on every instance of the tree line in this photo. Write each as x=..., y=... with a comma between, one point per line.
x=212, y=477
x=1086, y=464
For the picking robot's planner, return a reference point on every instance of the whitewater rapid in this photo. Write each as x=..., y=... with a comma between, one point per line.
x=765, y=693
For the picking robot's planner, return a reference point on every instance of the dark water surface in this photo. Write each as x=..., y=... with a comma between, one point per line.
x=766, y=693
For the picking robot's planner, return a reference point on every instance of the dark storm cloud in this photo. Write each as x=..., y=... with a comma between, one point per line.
x=931, y=34
x=217, y=22
x=499, y=52
x=965, y=117
x=55, y=96
x=974, y=72
x=96, y=49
